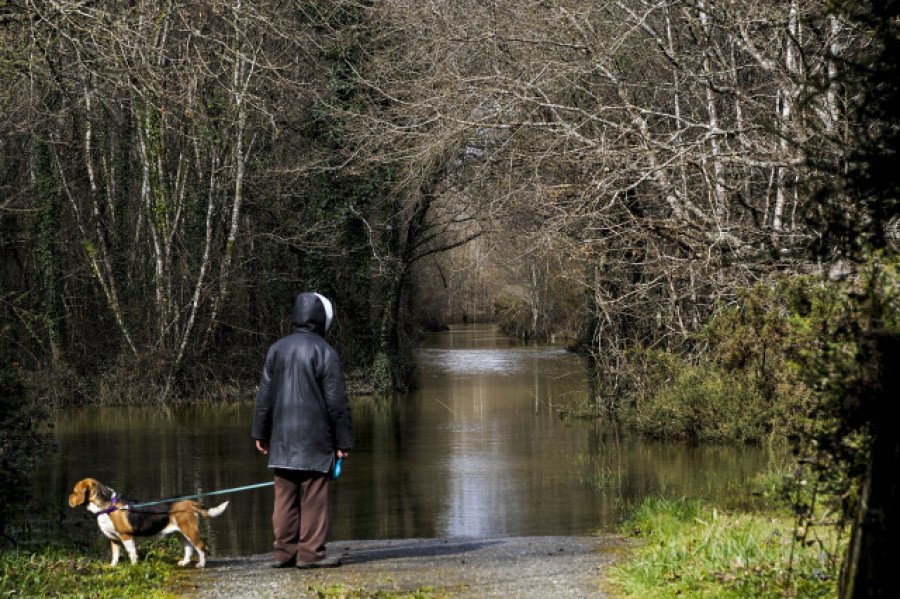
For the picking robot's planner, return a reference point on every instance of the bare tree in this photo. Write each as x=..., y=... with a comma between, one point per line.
x=152, y=114
x=661, y=139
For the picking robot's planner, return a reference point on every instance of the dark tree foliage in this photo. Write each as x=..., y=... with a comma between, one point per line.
x=22, y=442
x=173, y=175
x=857, y=204
x=857, y=214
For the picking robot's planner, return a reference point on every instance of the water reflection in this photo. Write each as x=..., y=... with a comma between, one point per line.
x=479, y=450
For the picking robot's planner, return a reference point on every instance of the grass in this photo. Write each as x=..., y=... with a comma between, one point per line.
x=340, y=591
x=691, y=548
x=49, y=571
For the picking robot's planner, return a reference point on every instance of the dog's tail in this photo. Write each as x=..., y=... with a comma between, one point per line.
x=215, y=511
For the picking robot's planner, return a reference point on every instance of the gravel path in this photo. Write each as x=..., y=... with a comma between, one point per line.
x=499, y=567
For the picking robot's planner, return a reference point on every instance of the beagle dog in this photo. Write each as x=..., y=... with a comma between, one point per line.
x=121, y=524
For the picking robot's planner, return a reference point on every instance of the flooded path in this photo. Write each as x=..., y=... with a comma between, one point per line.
x=480, y=450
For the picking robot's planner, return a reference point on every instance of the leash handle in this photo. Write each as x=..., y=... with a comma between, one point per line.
x=337, y=469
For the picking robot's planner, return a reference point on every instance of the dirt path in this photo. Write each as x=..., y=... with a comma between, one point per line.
x=499, y=567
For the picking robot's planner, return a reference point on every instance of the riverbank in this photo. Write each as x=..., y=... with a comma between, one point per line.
x=668, y=548
x=560, y=566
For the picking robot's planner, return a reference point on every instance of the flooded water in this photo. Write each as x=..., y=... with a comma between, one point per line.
x=482, y=448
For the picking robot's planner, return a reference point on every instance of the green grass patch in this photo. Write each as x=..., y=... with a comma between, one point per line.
x=48, y=571
x=340, y=591
x=690, y=548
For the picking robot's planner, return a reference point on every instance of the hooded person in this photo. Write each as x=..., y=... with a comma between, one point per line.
x=302, y=422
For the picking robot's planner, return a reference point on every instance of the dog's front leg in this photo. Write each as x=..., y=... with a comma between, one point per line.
x=115, y=553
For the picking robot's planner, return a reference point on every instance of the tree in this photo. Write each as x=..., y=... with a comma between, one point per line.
x=658, y=152
x=857, y=212
x=149, y=135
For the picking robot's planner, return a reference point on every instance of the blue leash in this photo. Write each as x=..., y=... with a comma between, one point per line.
x=222, y=492
x=334, y=474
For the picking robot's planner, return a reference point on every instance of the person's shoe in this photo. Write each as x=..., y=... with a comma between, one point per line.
x=290, y=563
x=325, y=562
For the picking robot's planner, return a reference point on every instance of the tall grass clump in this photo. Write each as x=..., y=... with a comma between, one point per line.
x=690, y=548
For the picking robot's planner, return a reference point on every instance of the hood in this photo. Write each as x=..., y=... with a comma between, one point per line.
x=313, y=312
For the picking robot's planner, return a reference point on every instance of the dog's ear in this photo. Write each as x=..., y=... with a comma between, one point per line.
x=80, y=493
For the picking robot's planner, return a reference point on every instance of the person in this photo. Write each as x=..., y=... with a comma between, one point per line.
x=302, y=422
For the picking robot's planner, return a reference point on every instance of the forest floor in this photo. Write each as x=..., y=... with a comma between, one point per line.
x=523, y=567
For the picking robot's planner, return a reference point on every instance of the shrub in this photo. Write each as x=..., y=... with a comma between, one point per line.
x=748, y=384
x=21, y=443
x=705, y=402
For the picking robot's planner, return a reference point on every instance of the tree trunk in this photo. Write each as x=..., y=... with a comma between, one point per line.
x=873, y=551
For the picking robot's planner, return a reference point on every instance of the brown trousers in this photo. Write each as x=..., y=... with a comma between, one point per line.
x=302, y=515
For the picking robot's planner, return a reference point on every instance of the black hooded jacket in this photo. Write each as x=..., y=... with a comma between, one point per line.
x=302, y=408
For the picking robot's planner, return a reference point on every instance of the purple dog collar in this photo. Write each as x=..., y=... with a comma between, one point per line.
x=111, y=509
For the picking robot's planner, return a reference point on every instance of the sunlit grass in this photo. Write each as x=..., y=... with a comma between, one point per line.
x=48, y=571
x=340, y=591
x=690, y=548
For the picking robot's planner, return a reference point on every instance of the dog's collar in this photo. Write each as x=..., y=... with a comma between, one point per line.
x=112, y=508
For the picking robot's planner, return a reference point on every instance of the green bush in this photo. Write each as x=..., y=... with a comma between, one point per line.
x=748, y=383
x=706, y=403
x=514, y=317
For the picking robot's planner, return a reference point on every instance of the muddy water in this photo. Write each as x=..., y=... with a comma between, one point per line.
x=480, y=449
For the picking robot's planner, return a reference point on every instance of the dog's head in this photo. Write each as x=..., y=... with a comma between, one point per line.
x=90, y=490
